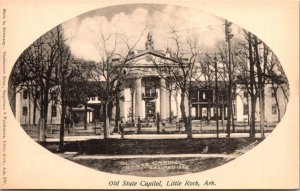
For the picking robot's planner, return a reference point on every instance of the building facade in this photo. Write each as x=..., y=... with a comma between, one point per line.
x=148, y=95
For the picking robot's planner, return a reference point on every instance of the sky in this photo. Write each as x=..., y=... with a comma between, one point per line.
x=85, y=33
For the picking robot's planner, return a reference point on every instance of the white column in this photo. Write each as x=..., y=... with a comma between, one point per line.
x=157, y=102
x=127, y=103
x=143, y=105
x=122, y=105
x=186, y=105
x=91, y=116
x=178, y=111
x=164, y=105
x=138, y=98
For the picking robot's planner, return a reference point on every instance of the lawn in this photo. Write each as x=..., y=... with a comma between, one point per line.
x=154, y=167
x=153, y=146
x=84, y=152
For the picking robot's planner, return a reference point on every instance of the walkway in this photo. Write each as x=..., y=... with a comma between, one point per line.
x=155, y=156
x=153, y=136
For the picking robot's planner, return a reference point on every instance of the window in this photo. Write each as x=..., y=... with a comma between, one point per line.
x=194, y=95
x=245, y=94
x=93, y=98
x=245, y=109
x=150, y=89
x=204, y=112
x=274, y=109
x=53, y=111
x=185, y=60
x=203, y=95
x=37, y=95
x=25, y=111
x=53, y=95
x=25, y=94
x=193, y=111
x=272, y=91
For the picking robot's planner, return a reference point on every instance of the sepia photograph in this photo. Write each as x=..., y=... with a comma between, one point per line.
x=173, y=96
x=149, y=92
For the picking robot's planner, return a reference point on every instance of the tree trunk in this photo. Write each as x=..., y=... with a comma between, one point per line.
x=51, y=119
x=252, y=123
x=229, y=114
x=63, y=114
x=232, y=118
x=107, y=122
x=262, y=114
x=216, y=98
x=110, y=108
x=170, y=106
x=117, y=118
x=189, y=120
x=276, y=101
x=223, y=114
x=208, y=113
x=42, y=130
x=217, y=118
x=177, y=109
x=229, y=100
x=85, y=114
x=248, y=107
x=44, y=114
x=62, y=125
x=132, y=109
x=34, y=111
x=252, y=93
x=183, y=114
x=29, y=108
x=46, y=101
x=182, y=109
x=42, y=119
x=260, y=88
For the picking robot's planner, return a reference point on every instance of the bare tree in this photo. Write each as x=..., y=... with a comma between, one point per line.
x=63, y=74
x=181, y=68
x=277, y=78
x=228, y=37
x=37, y=73
x=110, y=70
x=207, y=71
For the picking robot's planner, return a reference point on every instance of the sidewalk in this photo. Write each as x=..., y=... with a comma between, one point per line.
x=153, y=136
x=154, y=156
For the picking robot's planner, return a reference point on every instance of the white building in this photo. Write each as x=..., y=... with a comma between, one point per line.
x=147, y=94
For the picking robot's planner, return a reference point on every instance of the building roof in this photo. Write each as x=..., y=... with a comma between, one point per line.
x=158, y=53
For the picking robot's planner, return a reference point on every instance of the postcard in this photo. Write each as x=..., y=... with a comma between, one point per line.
x=149, y=95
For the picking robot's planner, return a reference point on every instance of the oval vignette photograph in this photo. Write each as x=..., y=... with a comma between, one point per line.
x=148, y=90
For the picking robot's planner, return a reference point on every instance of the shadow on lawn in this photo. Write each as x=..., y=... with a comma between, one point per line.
x=153, y=146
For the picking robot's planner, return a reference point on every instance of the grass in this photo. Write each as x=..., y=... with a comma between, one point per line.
x=153, y=167
x=153, y=146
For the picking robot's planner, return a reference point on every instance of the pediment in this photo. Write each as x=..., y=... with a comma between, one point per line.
x=148, y=58
x=144, y=60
